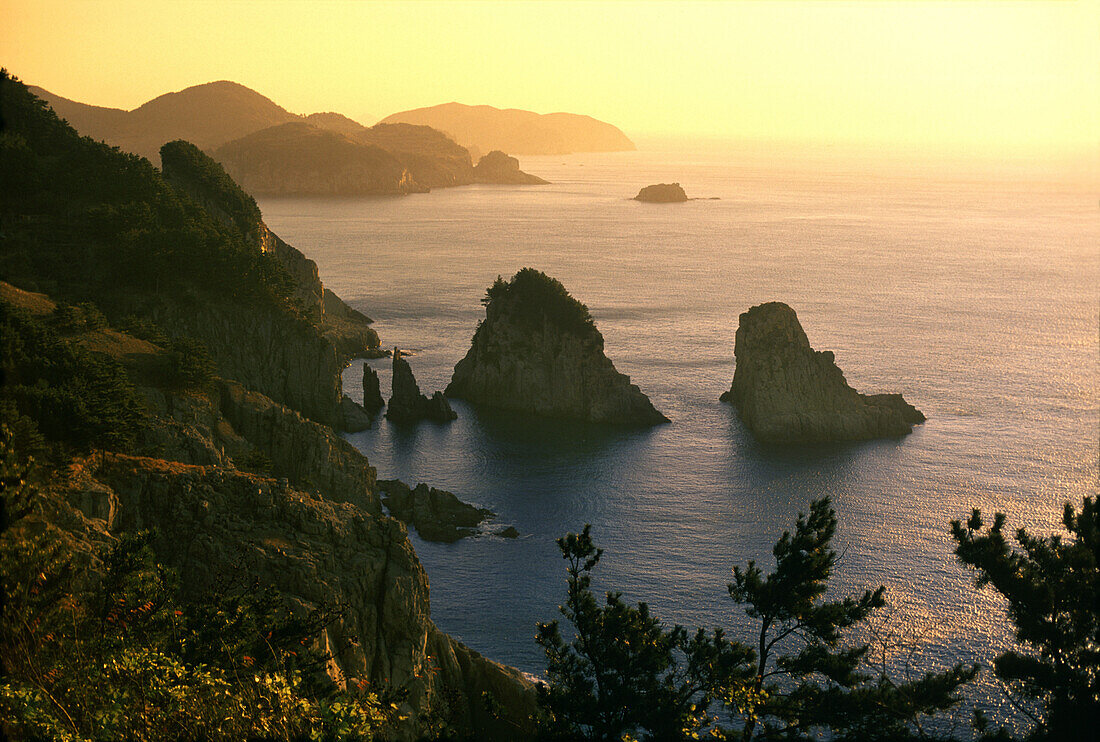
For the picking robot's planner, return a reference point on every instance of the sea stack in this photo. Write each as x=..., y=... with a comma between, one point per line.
x=786, y=392
x=662, y=193
x=539, y=352
x=372, y=391
x=407, y=404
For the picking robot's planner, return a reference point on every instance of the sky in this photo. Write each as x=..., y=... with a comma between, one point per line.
x=989, y=76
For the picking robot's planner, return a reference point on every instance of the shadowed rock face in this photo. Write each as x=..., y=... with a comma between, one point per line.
x=539, y=352
x=372, y=391
x=407, y=404
x=786, y=392
x=662, y=193
x=437, y=515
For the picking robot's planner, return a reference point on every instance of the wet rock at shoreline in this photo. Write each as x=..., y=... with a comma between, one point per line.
x=662, y=193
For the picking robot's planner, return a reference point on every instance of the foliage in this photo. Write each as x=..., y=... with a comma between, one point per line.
x=823, y=685
x=71, y=393
x=70, y=319
x=1052, y=586
x=533, y=298
x=189, y=363
x=82, y=220
x=195, y=171
x=97, y=646
x=623, y=673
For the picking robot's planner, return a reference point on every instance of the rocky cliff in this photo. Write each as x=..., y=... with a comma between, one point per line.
x=786, y=392
x=233, y=483
x=662, y=193
x=497, y=167
x=538, y=351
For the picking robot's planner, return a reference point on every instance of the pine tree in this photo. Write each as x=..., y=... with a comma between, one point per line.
x=1052, y=586
x=623, y=674
x=823, y=684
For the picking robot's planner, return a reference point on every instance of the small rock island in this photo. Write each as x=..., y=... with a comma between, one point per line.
x=786, y=392
x=662, y=193
x=539, y=352
x=437, y=515
x=501, y=169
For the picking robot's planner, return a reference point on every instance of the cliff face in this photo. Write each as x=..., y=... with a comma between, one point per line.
x=538, y=351
x=214, y=521
x=786, y=392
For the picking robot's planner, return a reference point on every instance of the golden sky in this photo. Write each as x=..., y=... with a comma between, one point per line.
x=1000, y=76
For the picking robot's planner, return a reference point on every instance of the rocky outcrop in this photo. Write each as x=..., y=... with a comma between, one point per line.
x=372, y=391
x=786, y=392
x=539, y=352
x=497, y=167
x=407, y=404
x=353, y=418
x=662, y=193
x=437, y=515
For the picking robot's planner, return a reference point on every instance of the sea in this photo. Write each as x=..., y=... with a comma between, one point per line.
x=972, y=290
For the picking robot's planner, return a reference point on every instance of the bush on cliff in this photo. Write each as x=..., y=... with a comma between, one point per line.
x=72, y=394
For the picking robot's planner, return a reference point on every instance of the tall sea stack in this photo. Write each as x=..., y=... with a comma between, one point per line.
x=786, y=392
x=538, y=351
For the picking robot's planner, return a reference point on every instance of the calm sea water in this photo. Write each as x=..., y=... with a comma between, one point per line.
x=976, y=297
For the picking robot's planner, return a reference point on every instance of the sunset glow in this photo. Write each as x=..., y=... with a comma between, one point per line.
x=1005, y=77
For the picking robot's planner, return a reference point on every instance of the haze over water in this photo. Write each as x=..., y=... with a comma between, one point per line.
x=976, y=298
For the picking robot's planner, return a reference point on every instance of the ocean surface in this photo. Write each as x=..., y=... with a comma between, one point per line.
x=976, y=296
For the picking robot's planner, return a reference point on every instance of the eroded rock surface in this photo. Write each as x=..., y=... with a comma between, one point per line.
x=786, y=392
x=538, y=351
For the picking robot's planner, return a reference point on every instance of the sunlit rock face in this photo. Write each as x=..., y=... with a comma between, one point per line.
x=539, y=352
x=662, y=193
x=786, y=392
